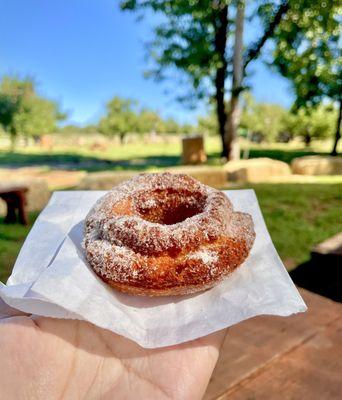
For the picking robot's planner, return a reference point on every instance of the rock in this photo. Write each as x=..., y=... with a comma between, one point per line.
x=13, y=173
x=104, y=180
x=256, y=170
x=211, y=176
x=317, y=165
x=37, y=196
x=193, y=150
x=56, y=179
x=62, y=179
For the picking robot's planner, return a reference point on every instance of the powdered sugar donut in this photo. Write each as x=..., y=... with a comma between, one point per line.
x=165, y=234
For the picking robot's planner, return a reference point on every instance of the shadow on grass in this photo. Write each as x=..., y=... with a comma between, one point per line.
x=77, y=162
x=95, y=163
x=91, y=164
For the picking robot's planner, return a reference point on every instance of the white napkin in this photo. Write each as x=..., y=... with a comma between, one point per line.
x=51, y=278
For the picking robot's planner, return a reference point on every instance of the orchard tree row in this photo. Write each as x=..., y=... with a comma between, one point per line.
x=23, y=112
x=265, y=122
x=125, y=116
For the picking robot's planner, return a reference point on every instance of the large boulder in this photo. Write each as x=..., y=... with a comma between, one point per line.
x=317, y=165
x=256, y=170
x=104, y=180
x=56, y=179
x=37, y=196
x=211, y=176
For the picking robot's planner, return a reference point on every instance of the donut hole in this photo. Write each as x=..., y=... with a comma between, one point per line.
x=178, y=214
x=169, y=208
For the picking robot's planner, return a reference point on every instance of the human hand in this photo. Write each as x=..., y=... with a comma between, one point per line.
x=45, y=358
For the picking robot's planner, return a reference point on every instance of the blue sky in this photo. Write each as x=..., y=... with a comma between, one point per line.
x=82, y=52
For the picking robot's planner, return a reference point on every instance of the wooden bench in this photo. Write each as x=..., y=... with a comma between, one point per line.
x=15, y=199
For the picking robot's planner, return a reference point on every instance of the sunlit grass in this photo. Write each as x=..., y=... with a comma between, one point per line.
x=299, y=216
x=11, y=239
x=140, y=155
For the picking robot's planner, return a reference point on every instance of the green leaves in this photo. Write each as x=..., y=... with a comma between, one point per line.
x=308, y=51
x=121, y=117
x=264, y=119
x=185, y=40
x=124, y=116
x=312, y=123
x=270, y=122
x=23, y=112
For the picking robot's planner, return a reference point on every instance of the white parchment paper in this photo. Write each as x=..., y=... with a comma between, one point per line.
x=51, y=278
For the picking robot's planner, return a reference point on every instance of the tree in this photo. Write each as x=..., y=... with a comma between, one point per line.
x=23, y=111
x=39, y=117
x=208, y=124
x=171, y=126
x=193, y=38
x=149, y=121
x=72, y=129
x=231, y=138
x=312, y=123
x=13, y=94
x=124, y=116
x=121, y=118
x=308, y=52
x=264, y=120
x=187, y=129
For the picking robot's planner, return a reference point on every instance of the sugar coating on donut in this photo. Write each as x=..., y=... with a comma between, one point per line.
x=207, y=257
x=158, y=231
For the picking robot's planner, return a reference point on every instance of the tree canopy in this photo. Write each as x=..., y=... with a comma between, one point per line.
x=194, y=38
x=71, y=128
x=271, y=122
x=23, y=111
x=150, y=122
x=308, y=53
x=125, y=116
x=121, y=118
x=312, y=123
x=265, y=120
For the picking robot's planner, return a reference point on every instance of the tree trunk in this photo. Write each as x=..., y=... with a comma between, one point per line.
x=221, y=117
x=307, y=139
x=231, y=137
x=338, y=130
x=122, y=138
x=13, y=137
x=221, y=24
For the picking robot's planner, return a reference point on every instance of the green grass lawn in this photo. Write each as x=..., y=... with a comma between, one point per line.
x=11, y=238
x=142, y=156
x=297, y=215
